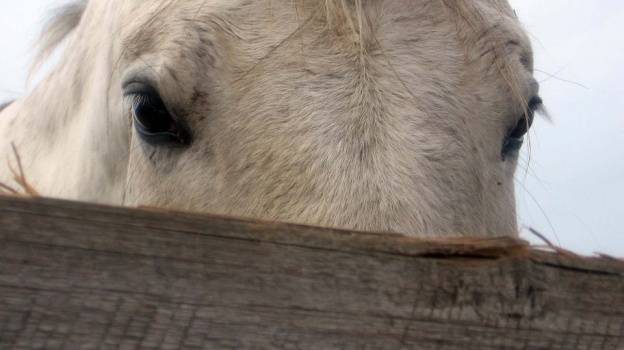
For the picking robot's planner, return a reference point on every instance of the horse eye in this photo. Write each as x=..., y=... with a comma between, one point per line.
x=152, y=121
x=514, y=138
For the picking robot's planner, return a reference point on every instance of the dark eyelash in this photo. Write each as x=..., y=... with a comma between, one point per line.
x=138, y=99
x=143, y=99
x=535, y=104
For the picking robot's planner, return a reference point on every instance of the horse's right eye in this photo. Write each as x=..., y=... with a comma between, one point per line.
x=515, y=136
x=152, y=120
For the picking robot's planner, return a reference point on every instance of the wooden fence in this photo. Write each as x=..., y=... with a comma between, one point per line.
x=82, y=276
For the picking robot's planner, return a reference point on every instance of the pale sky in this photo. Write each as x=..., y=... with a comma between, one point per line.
x=576, y=168
x=573, y=189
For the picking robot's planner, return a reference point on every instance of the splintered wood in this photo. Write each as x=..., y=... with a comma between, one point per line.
x=75, y=275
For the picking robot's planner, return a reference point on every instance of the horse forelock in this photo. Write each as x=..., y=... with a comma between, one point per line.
x=5, y=105
x=62, y=23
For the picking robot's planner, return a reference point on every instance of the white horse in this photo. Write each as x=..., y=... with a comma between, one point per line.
x=387, y=115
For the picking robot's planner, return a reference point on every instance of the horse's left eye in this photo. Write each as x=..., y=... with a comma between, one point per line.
x=514, y=139
x=152, y=121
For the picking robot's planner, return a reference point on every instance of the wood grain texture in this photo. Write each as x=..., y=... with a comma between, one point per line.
x=82, y=276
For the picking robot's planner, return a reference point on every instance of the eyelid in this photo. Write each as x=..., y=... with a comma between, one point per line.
x=139, y=88
x=140, y=76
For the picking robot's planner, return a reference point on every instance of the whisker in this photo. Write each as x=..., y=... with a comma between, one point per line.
x=541, y=208
x=554, y=76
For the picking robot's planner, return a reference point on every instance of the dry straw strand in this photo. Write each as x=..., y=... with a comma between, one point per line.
x=6, y=189
x=20, y=178
x=551, y=245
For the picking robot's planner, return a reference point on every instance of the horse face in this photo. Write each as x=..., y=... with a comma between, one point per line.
x=385, y=116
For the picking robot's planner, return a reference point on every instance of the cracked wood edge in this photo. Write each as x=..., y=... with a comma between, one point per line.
x=285, y=286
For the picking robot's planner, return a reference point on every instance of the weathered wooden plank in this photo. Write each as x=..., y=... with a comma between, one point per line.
x=76, y=275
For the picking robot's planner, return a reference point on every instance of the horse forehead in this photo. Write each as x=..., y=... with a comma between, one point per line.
x=145, y=18
x=268, y=23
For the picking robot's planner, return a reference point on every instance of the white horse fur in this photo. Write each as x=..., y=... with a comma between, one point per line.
x=376, y=115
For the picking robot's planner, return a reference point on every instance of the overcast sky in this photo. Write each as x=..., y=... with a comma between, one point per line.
x=573, y=189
